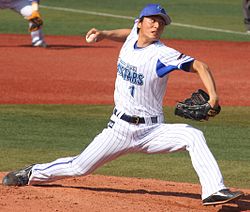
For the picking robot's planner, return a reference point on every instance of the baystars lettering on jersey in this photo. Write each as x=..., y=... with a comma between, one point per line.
x=129, y=73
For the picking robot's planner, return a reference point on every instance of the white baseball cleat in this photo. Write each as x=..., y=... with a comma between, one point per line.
x=39, y=43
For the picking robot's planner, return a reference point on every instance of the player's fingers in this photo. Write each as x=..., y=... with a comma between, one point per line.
x=211, y=113
x=91, y=31
x=214, y=111
x=206, y=119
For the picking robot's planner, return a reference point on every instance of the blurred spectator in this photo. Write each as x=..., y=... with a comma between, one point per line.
x=29, y=9
x=246, y=13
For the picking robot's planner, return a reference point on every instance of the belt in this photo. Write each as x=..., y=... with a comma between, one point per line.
x=135, y=119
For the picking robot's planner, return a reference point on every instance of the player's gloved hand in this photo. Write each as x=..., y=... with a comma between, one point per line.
x=197, y=107
x=35, y=21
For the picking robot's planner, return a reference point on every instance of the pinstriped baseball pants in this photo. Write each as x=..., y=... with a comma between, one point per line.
x=121, y=138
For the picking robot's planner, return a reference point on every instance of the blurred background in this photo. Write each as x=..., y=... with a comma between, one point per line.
x=192, y=19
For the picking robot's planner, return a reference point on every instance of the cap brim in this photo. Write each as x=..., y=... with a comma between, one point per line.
x=166, y=18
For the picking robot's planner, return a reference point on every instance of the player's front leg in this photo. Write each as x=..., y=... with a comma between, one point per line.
x=168, y=138
x=105, y=147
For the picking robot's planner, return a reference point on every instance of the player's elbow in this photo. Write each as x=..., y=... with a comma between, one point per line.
x=199, y=66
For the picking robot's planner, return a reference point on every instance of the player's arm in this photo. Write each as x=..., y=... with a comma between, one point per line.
x=119, y=35
x=206, y=76
x=35, y=5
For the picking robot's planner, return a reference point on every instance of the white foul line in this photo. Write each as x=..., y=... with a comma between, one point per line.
x=209, y=29
x=86, y=12
x=132, y=18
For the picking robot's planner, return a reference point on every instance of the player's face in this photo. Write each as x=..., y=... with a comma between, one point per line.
x=151, y=28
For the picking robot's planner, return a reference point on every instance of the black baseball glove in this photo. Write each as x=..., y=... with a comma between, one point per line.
x=196, y=107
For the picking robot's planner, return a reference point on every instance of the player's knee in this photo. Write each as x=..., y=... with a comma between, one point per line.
x=198, y=132
x=194, y=135
x=26, y=11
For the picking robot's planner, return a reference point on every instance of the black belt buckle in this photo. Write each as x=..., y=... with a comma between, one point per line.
x=136, y=119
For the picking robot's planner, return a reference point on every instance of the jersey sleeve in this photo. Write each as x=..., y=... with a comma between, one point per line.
x=170, y=60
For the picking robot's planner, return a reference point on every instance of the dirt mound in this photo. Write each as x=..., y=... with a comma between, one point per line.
x=102, y=193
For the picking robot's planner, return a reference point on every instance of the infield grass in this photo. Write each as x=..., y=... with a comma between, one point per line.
x=42, y=133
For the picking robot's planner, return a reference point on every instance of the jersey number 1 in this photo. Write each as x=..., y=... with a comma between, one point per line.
x=132, y=90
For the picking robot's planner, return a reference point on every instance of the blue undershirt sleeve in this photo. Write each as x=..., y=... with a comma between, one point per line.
x=162, y=69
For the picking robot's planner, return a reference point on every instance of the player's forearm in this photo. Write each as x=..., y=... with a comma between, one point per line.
x=116, y=35
x=207, y=78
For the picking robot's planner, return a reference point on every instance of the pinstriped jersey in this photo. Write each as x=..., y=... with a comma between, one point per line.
x=142, y=75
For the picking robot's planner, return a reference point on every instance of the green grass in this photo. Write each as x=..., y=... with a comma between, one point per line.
x=42, y=133
x=220, y=14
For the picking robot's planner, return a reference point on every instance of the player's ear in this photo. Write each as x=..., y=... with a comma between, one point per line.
x=139, y=24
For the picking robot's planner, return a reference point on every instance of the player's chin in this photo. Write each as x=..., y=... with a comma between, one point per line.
x=155, y=37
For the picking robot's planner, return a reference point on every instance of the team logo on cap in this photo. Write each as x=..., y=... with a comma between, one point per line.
x=159, y=7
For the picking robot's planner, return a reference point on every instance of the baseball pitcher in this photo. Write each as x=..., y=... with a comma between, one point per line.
x=137, y=123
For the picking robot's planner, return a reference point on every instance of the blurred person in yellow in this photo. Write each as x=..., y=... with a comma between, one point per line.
x=29, y=9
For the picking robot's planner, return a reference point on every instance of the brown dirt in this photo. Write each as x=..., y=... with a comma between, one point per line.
x=73, y=72
x=111, y=194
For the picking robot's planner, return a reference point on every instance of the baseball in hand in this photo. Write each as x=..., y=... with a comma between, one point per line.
x=91, y=38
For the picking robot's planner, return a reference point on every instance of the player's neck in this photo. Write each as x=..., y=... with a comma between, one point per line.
x=144, y=42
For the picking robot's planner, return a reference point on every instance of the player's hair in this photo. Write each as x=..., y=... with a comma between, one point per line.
x=140, y=20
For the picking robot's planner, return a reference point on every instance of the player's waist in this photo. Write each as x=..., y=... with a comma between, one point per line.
x=138, y=119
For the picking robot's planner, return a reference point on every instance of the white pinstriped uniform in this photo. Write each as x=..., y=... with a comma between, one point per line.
x=24, y=8
x=139, y=90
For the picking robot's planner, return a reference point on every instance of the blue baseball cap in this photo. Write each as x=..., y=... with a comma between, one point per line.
x=155, y=9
